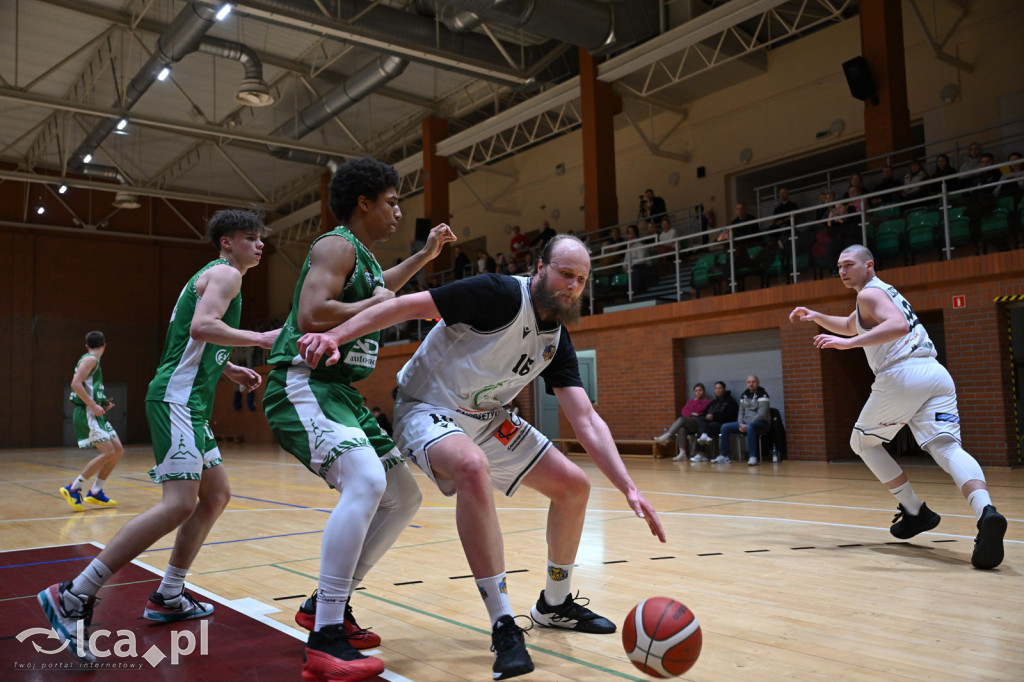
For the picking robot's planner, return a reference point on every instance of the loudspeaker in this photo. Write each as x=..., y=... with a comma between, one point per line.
x=858, y=77
x=422, y=229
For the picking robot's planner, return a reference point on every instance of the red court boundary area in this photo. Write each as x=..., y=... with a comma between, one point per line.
x=238, y=645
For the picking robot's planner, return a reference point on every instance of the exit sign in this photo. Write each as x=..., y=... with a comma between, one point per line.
x=960, y=301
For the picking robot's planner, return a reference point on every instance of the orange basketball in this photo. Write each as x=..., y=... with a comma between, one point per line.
x=662, y=637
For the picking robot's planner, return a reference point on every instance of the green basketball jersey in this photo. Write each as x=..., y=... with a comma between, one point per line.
x=189, y=369
x=93, y=384
x=358, y=357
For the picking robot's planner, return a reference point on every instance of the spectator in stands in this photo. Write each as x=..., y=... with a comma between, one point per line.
x=460, y=264
x=855, y=204
x=981, y=200
x=500, y=263
x=527, y=263
x=754, y=419
x=942, y=167
x=689, y=420
x=855, y=181
x=655, y=206
x=742, y=216
x=1015, y=172
x=637, y=251
x=512, y=267
x=973, y=159
x=382, y=420
x=911, y=187
x=615, y=236
x=722, y=410
x=785, y=205
x=546, y=233
x=665, y=237
x=484, y=262
x=518, y=244
x=887, y=184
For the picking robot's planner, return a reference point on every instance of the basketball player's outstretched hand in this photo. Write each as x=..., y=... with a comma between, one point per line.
x=645, y=511
x=823, y=341
x=802, y=314
x=440, y=235
x=314, y=346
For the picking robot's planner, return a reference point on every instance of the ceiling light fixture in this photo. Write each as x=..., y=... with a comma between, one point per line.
x=164, y=73
x=223, y=12
x=40, y=209
x=87, y=158
x=253, y=92
x=122, y=124
x=62, y=189
x=126, y=200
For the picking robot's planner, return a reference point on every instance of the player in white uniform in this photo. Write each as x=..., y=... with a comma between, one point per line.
x=497, y=334
x=910, y=388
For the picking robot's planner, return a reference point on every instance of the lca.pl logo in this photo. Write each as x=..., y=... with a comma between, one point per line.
x=183, y=643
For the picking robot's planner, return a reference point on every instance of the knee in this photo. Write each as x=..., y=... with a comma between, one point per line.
x=857, y=443
x=216, y=501
x=472, y=472
x=574, y=487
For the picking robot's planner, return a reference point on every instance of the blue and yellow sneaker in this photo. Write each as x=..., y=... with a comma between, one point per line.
x=73, y=497
x=100, y=498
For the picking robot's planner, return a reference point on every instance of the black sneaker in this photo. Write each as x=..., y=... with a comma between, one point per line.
x=511, y=658
x=330, y=656
x=571, y=614
x=906, y=525
x=988, y=546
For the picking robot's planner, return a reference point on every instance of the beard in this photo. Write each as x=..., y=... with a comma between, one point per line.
x=559, y=307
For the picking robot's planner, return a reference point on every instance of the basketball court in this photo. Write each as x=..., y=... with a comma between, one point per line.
x=789, y=568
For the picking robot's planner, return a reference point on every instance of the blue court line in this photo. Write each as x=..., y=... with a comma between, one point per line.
x=54, y=561
x=283, y=504
x=228, y=542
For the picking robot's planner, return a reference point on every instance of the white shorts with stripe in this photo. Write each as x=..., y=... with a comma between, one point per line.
x=512, y=446
x=918, y=392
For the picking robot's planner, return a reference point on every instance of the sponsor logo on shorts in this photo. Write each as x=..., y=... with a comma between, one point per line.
x=946, y=417
x=506, y=432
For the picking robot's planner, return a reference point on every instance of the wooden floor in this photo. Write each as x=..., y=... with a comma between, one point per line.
x=789, y=568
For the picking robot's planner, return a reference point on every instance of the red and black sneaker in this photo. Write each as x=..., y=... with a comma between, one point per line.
x=359, y=637
x=330, y=657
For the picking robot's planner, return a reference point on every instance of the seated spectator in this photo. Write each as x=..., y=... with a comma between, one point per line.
x=546, y=233
x=972, y=160
x=512, y=268
x=501, y=263
x=785, y=205
x=689, y=420
x=855, y=181
x=527, y=263
x=518, y=244
x=460, y=265
x=1015, y=172
x=722, y=410
x=484, y=262
x=382, y=420
x=654, y=206
x=634, y=263
x=886, y=184
x=667, y=234
x=754, y=419
x=980, y=199
x=915, y=175
x=855, y=204
x=942, y=167
x=743, y=216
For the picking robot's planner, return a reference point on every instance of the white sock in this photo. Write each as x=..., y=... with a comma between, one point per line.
x=559, y=583
x=495, y=595
x=173, y=583
x=978, y=500
x=331, y=596
x=97, y=487
x=906, y=496
x=91, y=579
x=79, y=482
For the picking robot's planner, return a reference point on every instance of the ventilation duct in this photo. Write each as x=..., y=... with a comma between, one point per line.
x=181, y=38
x=253, y=91
x=355, y=88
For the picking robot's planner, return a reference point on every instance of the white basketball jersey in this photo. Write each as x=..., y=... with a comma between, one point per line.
x=914, y=344
x=476, y=372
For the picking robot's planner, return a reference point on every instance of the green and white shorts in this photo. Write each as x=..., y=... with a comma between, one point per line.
x=183, y=443
x=319, y=421
x=90, y=429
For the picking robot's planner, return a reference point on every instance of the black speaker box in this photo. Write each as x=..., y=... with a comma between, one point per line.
x=422, y=229
x=858, y=77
